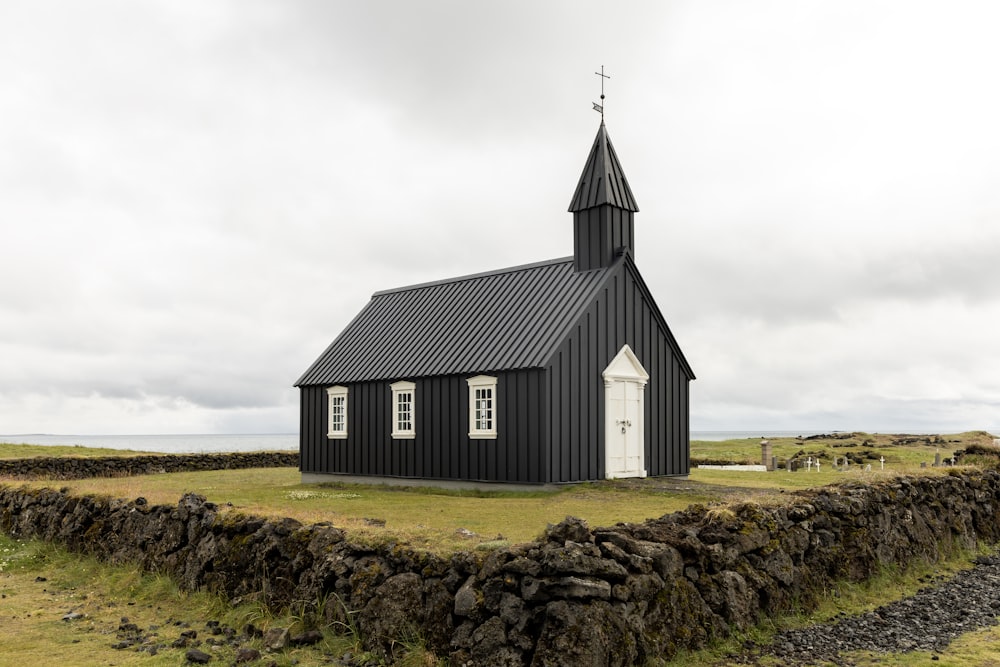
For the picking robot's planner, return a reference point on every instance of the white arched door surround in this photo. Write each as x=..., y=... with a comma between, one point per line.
x=624, y=386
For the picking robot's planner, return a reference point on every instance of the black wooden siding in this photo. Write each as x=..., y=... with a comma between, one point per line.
x=598, y=233
x=441, y=448
x=623, y=312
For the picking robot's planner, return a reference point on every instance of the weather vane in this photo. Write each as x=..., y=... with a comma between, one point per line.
x=600, y=107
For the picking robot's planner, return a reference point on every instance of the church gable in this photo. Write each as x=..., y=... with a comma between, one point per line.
x=625, y=366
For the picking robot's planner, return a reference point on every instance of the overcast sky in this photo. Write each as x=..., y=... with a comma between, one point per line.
x=197, y=197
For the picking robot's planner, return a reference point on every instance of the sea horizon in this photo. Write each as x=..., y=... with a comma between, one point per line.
x=194, y=443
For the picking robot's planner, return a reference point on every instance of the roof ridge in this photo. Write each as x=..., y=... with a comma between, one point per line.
x=583, y=304
x=474, y=276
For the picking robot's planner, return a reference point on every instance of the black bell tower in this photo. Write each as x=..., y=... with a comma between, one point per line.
x=603, y=208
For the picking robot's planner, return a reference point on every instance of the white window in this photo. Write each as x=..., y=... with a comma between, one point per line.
x=482, y=407
x=337, y=411
x=403, y=402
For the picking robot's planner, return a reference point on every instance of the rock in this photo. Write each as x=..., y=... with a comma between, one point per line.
x=581, y=588
x=467, y=599
x=570, y=529
x=584, y=634
x=574, y=559
x=276, y=639
x=307, y=638
x=394, y=611
x=740, y=603
x=72, y=616
x=197, y=657
x=246, y=654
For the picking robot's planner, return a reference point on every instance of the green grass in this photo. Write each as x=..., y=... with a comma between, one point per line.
x=40, y=583
x=421, y=517
x=10, y=450
x=898, y=450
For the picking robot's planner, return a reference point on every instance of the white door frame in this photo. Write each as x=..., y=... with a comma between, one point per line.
x=624, y=369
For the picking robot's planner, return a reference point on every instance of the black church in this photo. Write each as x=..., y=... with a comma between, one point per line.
x=554, y=372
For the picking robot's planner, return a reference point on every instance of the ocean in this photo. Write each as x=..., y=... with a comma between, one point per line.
x=200, y=443
x=196, y=444
x=167, y=444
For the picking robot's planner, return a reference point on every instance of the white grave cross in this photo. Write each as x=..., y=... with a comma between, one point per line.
x=809, y=464
x=881, y=460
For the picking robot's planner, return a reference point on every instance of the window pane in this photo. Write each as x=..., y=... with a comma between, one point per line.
x=337, y=415
x=404, y=411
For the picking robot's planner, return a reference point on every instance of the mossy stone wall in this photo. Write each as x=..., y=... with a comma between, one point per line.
x=610, y=596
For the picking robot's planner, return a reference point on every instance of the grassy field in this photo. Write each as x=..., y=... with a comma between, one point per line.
x=40, y=584
x=900, y=451
x=442, y=520
x=432, y=519
x=20, y=451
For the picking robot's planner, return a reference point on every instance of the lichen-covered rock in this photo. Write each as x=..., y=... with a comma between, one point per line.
x=468, y=599
x=570, y=529
x=393, y=613
x=584, y=634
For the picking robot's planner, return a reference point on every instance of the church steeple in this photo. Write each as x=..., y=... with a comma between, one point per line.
x=602, y=208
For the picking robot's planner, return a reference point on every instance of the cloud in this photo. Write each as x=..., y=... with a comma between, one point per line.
x=198, y=198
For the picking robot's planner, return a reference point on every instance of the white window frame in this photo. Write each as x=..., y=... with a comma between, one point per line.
x=336, y=395
x=478, y=384
x=399, y=390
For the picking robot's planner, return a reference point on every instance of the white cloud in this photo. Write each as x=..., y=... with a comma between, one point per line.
x=198, y=197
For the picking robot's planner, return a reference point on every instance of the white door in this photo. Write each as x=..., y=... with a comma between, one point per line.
x=624, y=384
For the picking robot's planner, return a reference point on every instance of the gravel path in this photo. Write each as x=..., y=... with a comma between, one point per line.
x=928, y=621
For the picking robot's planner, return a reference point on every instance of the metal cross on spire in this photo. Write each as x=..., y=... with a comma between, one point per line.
x=600, y=107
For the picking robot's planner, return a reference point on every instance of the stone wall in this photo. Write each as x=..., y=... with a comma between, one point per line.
x=73, y=467
x=613, y=596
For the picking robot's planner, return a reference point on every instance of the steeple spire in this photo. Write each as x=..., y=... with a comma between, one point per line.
x=603, y=208
x=603, y=180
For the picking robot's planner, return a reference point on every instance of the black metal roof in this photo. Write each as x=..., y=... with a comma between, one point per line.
x=501, y=320
x=603, y=180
